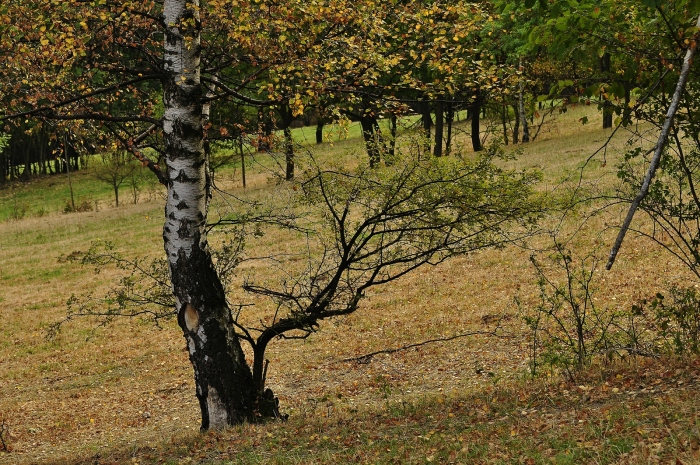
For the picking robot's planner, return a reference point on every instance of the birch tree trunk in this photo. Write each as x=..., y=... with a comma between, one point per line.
x=223, y=379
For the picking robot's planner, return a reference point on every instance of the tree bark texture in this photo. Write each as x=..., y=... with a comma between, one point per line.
x=223, y=379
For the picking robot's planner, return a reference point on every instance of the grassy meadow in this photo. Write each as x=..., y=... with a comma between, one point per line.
x=124, y=393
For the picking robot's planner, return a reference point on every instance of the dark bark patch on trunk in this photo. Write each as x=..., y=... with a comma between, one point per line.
x=188, y=131
x=172, y=40
x=182, y=177
x=186, y=229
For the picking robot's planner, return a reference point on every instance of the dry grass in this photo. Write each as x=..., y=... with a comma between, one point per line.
x=124, y=393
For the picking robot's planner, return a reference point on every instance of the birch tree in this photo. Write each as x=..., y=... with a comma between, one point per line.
x=223, y=379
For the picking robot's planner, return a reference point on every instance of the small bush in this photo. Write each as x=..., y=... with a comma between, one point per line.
x=676, y=320
x=568, y=330
x=84, y=206
x=19, y=210
x=42, y=211
x=567, y=327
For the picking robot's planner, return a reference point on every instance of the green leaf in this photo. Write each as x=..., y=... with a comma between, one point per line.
x=562, y=23
x=616, y=89
x=694, y=6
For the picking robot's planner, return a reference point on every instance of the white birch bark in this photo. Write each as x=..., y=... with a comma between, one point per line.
x=183, y=111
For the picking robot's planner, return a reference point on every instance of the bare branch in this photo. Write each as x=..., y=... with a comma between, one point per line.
x=49, y=110
x=366, y=358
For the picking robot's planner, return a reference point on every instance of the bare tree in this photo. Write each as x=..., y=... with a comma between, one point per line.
x=114, y=169
x=364, y=228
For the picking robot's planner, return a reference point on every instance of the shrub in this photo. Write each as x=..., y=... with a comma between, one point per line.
x=676, y=320
x=84, y=206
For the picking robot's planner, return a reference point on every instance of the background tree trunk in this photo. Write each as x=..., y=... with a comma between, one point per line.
x=370, y=138
x=288, y=154
x=476, y=126
x=439, y=120
x=521, y=107
x=319, y=131
x=607, y=111
x=287, y=117
x=427, y=125
x=240, y=149
x=516, y=125
x=523, y=117
x=392, y=142
x=70, y=182
x=504, y=122
x=449, y=119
